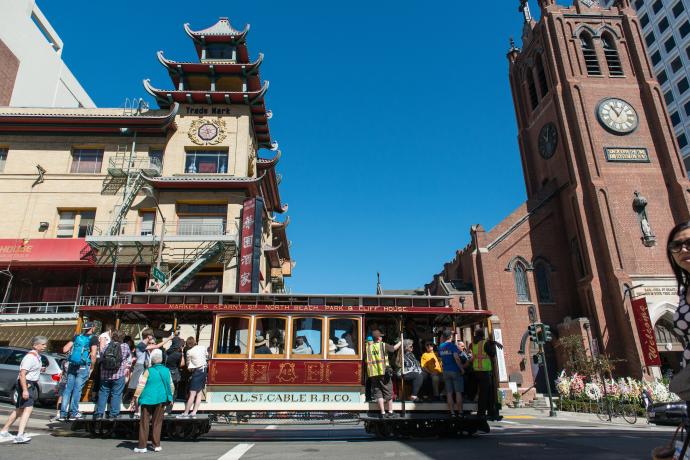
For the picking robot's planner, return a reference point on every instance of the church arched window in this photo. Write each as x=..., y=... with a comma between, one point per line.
x=590, y=54
x=533, y=96
x=541, y=75
x=613, y=60
x=521, y=287
x=542, y=274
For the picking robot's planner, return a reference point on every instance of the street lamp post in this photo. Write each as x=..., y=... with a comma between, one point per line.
x=148, y=191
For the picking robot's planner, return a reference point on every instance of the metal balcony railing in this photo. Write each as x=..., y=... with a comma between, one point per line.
x=172, y=228
x=26, y=308
x=121, y=164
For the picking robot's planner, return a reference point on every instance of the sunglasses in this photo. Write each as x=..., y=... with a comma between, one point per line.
x=677, y=245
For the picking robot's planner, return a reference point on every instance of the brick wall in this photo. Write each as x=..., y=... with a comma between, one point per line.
x=9, y=65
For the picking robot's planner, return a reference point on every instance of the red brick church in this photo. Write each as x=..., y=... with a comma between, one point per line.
x=605, y=184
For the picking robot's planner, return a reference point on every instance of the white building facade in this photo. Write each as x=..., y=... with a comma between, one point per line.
x=33, y=72
x=666, y=28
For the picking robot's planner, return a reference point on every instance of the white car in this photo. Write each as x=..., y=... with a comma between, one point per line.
x=11, y=357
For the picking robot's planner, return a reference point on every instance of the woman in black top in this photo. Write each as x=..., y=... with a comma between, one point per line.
x=174, y=360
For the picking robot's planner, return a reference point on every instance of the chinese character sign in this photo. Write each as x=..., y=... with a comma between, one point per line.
x=250, y=245
x=645, y=330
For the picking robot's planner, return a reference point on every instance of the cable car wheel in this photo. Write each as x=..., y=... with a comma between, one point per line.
x=100, y=429
x=184, y=431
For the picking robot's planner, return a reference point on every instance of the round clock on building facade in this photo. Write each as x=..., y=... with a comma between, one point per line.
x=208, y=131
x=617, y=116
x=548, y=140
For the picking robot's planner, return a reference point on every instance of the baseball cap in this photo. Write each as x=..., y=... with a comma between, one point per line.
x=88, y=325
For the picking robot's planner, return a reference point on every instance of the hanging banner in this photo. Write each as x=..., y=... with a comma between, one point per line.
x=645, y=330
x=250, y=245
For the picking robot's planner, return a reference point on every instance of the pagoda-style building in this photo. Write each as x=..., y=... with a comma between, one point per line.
x=174, y=199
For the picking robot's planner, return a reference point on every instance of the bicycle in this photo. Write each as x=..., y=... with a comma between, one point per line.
x=608, y=408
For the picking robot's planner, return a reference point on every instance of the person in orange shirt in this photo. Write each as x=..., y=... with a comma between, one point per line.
x=432, y=367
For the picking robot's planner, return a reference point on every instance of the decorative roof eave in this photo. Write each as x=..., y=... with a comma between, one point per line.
x=263, y=164
x=280, y=236
x=271, y=192
x=254, y=99
x=202, y=181
x=96, y=123
x=273, y=255
x=219, y=67
x=280, y=225
x=220, y=31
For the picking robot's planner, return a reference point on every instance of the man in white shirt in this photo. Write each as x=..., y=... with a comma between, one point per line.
x=27, y=385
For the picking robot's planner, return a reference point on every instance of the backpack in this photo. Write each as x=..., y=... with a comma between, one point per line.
x=80, y=350
x=112, y=357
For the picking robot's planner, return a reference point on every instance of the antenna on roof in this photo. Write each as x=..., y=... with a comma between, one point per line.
x=379, y=291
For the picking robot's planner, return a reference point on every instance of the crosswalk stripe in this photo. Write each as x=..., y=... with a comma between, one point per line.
x=236, y=452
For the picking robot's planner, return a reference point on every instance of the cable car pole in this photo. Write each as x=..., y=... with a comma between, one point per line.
x=402, y=366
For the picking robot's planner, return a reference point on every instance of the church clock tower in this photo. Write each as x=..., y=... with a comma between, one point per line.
x=592, y=124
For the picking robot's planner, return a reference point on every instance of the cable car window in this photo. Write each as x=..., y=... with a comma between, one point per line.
x=438, y=302
x=404, y=302
x=343, y=337
x=306, y=336
x=232, y=336
x=269, y=338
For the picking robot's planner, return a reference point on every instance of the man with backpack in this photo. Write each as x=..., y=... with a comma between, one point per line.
x=116, y=360
x=81, y=353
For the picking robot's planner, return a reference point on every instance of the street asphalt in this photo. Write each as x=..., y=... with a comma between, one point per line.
x=522, y=434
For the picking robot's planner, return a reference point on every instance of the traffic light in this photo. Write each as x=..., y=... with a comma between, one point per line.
x=532, y=329
x=548, y=337
x=536, y=359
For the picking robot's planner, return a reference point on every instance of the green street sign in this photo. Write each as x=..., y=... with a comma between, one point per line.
x=159, y=275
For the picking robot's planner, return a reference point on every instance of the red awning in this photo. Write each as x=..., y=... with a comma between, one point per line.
x=53, y=251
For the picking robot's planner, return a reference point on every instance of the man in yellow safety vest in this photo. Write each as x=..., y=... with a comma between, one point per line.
x=377, y=364
x=483, y=352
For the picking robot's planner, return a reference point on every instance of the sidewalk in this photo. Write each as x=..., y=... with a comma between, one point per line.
x=542, y=414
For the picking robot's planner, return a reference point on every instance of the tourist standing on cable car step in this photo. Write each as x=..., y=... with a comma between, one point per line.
x=453, y=370
x=197, y=356
x=380, y=373
x=482, y=353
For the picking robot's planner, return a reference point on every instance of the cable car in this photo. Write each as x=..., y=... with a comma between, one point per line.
x=286, y=358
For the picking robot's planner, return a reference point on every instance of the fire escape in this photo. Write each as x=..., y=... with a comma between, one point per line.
x=187, y=249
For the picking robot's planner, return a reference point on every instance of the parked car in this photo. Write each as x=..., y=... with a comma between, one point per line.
x=667, y=413
x=11, y=357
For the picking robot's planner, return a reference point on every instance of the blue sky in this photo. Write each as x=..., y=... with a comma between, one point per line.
x=395, y=118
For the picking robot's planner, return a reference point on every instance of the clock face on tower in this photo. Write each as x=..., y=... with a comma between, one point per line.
x=548, y=140
x=208, y=131
x=617, y=116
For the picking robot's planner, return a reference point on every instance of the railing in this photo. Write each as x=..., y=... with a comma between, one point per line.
x=172, y=228
x=123, y=162
x=25, y=308
x=102, y=300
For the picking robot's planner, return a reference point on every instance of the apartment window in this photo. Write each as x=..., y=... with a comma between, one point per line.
x=687, y=108
x=650, y=39
x=87, y=161
x=638, y=4
x=156, y=158
x=656, y=57
x=662, y=77
x=201, y=219
x=644, y=20
x=76, y=224
x=669, y=44
x=148, y=223
x=678, y=8
x=676, y=64
x=206, y=162
x=663, y=25
x=675, y=118
x=683, y=85
x=684, y=29
x=682, y=140
x=668, y=97
x=656, y=7
x=3, y=159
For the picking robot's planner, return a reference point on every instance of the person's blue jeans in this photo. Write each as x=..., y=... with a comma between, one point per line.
x=114, y=389
x=76, y=378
